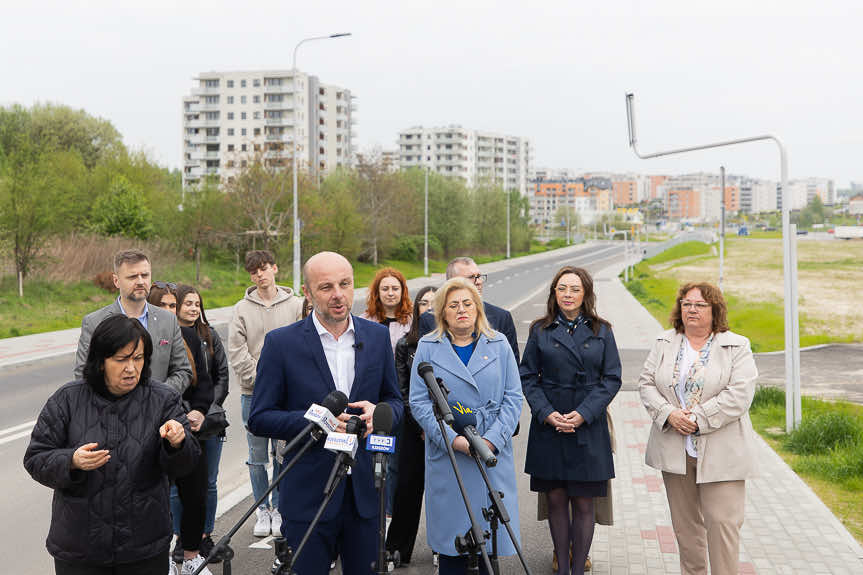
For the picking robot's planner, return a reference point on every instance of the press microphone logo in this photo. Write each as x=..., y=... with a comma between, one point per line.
x=460, y=408
x=322, y=416
x=343, y=442
x=381, y=443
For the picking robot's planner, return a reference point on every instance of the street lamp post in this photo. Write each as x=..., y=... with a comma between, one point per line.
x=426, y=229
x=295, y=146
x=722, y=227
x=793, y=413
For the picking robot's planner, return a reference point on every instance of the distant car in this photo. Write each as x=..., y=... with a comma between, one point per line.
x=802, y=232
x=742, y=231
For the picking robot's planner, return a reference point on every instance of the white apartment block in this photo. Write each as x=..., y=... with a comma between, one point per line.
x=758, y=196
x=473, y=156
x=231, y=118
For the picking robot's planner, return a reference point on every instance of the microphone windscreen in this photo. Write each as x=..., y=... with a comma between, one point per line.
x=382, y=419
x=336, y=402
x=462, y=417
x=423, y=368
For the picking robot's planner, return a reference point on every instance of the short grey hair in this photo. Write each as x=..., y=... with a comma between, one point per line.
x=132, y=256
x=461, y=260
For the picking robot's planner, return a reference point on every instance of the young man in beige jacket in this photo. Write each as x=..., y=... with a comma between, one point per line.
x=265, y=307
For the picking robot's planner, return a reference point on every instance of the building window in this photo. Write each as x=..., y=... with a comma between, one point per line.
x=230, y=115
x=242, y=99
x=230, y=147
x=230, y=131
x=243, y=132
x=230, y=99
x=256, y=83
x=242, y=115
x=256, y=99
x=257, y=131
x=242, y=83
x=243, y=148
x=230, y=83
x=256, y=115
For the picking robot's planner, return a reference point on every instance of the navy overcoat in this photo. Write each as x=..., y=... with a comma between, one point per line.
x=564, y=372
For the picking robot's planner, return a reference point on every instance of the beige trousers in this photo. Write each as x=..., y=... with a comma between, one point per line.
x=707, y=518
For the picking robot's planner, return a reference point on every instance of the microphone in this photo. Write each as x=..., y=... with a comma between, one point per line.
x=465, y=425
x=380, y=441
x=358, y=346
x=345, y=444
x=426, y=371
x=322, y=418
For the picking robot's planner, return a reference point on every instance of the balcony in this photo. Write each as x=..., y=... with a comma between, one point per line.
x=283, y=88
x=208, y=107
x=195, y=139
x=211, y=139
x=278, y=137
x=205, y=90
x=202, y=123
x=279, y=121
x=283, y=105
x=211, y=171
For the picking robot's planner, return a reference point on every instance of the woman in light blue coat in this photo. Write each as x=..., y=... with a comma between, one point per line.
x=477, y=365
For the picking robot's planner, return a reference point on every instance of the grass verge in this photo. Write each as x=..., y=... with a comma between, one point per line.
x=825, y=451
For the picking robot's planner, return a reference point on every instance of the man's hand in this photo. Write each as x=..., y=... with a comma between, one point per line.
x=196, y=419
x=87, y=457
x=680, y=420
x=368, y=409
x=174, y=432
x=559, y=422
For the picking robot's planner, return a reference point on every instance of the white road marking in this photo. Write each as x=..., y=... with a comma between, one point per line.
x=24, y=433
x=262, y=544
x=28, y=425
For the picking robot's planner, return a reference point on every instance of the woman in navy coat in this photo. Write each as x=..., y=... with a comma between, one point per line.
x=570, y=372
x=479, y=368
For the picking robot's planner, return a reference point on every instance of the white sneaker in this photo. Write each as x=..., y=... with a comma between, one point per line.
x=262, y=525
x=276, y=523
x=191, y=565
x=172, y=567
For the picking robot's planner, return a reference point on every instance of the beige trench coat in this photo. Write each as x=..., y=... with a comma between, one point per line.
x=603, y=509
x=726, y=444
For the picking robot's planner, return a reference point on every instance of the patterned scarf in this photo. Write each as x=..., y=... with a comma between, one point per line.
x=569, y=325
x=694, y=384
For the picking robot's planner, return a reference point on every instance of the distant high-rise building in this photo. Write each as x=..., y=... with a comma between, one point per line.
x=231, y=118
x=472, y=156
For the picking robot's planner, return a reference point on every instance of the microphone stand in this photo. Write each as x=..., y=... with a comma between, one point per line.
x=472, y=543
x=287, y=557
x=224, y=542
x=384, y=557
x=495, y=511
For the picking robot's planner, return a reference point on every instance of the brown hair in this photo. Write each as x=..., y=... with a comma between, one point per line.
x=129, y=257
x=440, y=298
x=256, y=259
x=156, y=293
x=201, y=325
x=374, y=308
x=712, y=295
x=588, y=303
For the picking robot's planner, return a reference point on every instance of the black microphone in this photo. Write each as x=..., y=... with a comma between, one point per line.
x=358, y=346
x=334, y=403
x=426, y=371
x=465, y=425
x=380, y=441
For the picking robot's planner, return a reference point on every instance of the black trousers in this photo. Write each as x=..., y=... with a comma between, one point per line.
x=408, y=499
x=192, y=489
x=156, y=565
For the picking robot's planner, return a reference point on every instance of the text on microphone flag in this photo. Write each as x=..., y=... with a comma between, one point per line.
x=381, y=443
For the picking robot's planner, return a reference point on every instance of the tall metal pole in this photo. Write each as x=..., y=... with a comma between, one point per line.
x=295, y=150
x=507, y=224
x=426, y=229
x=793, y=414
x=721, y=226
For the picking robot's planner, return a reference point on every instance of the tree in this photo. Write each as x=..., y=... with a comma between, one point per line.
x=334, y=219
x=488, y=205
x=122, y=212
x=204, y=219
x=63, y=128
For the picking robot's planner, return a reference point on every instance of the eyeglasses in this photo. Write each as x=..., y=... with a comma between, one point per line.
x=697, y=305
x=165, y=285
x=477, y=277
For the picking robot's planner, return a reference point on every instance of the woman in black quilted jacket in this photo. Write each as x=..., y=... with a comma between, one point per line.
x=106, y=446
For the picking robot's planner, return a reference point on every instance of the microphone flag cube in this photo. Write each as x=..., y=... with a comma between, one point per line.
x=381, y=443
x=322, y=416
x=342, y=442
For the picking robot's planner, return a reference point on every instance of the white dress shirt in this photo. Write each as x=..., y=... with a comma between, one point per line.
x=339, y=353
x=690, y=356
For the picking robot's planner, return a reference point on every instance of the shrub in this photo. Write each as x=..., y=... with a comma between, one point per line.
x=823, y=432
x=765, y=396
x=410, y=248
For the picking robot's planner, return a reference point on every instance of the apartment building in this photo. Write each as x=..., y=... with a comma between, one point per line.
x=472, y=156
x=231, y=118
x=757, y=196
x=589, y=197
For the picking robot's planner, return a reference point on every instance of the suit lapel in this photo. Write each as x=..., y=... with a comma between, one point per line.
x=667, y=373
x=570, y=342
x=482, y=356
x=313, y=341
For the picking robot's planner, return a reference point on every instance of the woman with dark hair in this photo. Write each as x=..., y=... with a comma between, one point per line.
x=408, y=497
x=389, y=303
x=212, y=359
x=697, y=385
x=570, y=372
x=107, y=445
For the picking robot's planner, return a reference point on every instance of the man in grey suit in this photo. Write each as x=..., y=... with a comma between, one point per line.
x=169, y=363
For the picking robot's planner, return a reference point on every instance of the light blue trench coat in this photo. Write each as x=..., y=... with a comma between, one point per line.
x=491, y=387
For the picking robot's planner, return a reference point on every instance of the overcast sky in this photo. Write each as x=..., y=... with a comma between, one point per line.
x=555, y=72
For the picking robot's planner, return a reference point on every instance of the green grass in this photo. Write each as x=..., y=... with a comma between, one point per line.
x=684, y=250
x=825, y=450
x=763, y=235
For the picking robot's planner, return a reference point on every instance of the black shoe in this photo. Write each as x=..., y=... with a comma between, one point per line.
x=177, y=554
x=206, y=550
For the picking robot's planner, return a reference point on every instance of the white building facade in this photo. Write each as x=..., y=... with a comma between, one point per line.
x=231, y=118
x=472, y=156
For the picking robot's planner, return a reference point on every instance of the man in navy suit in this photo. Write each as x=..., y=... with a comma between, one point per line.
x=299, y=365
x=499, y=318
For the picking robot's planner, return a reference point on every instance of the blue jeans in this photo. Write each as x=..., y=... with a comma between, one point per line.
x=213, y=450
x=260, y=450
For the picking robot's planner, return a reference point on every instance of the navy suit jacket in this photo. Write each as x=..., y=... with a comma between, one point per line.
x=499, y=319
x=293, y=374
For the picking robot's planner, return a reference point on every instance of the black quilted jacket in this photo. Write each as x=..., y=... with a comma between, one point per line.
x=118, y=513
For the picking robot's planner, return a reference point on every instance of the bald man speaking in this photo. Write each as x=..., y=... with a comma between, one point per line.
x=299, y=365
